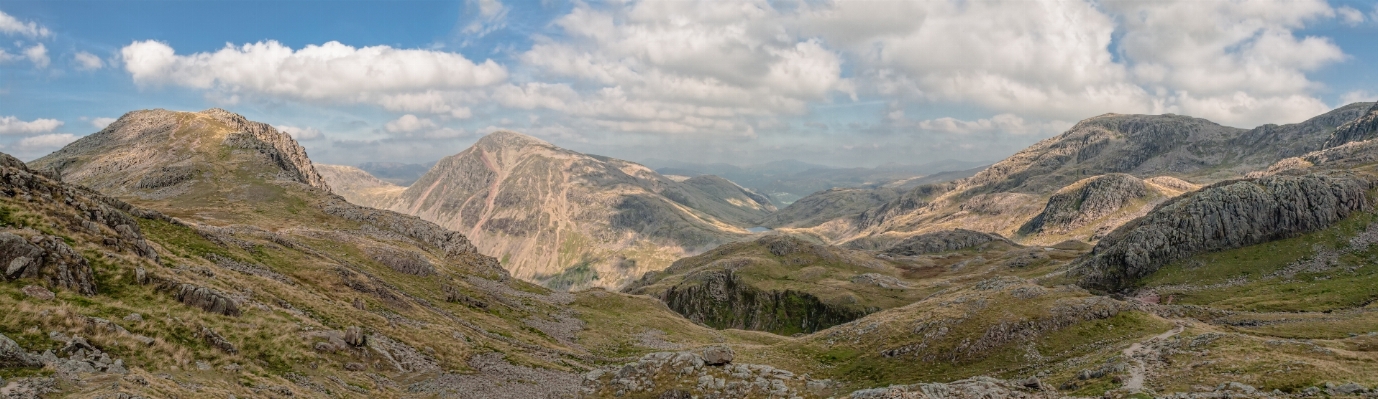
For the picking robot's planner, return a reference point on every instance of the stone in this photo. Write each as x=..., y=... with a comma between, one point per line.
x=12, y=355
x=354, y=366
x=716, y=355
x=354, y=336
x=215, y=340
x=134, y=318
x=38, y=292
x=1348, y=389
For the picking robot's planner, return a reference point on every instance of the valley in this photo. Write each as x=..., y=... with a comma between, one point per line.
x=195, y=254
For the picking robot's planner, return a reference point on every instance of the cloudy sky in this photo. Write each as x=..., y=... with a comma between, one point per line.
x=846, y=83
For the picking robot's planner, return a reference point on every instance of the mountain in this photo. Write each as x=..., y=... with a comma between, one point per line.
x=565, y=218
x=1008, y=195
x=402, y=174
x=357, y=185
x=788, y=180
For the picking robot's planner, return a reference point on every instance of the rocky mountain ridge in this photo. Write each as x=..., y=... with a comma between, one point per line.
x=565, y=218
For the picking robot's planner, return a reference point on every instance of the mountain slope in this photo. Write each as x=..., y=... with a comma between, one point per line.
x=570, y=219
x=1010, y=193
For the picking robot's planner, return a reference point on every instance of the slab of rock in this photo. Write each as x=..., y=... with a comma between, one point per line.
x=38, y=292
x=716, y=355
x=354, y=336
x=47, y=258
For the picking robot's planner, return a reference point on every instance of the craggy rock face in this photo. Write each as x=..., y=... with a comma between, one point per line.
x=1225, y=216
x=943, y=241
x=1078, y=205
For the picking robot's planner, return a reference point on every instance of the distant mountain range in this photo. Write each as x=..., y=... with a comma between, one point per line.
x=788, y=180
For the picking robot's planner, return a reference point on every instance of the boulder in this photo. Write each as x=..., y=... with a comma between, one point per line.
x=716, y=355
x=943, y=241
x=38, y=292
x=12, y=355
x=354, y=336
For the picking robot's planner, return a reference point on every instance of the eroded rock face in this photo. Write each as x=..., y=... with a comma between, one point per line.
x=1086, y=201
x=720, y=299
x=943, y=241
x=1363, y=128
x=1224, y=216
x=47, y=258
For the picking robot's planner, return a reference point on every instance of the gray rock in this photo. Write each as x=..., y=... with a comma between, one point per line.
x=354, y=366
x=215, y=340
x=1348, y=389
x=134, y=318
x=1085, y=201
x=1223, y=216
x=39, y=293
x=943, y=241
x=716, y=355
x=207, y=299
x=354, y=336
x=47, y=258
x=12, y=355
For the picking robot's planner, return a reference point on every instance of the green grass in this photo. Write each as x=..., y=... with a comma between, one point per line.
x=1239, y=279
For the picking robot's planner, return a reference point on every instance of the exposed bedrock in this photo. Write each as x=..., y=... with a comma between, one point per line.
x=1226, y=215
x=1084, y=202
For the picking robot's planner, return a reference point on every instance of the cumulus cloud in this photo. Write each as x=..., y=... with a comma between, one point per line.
x=409, y=123
x=331, y=72
x=301, y=133
x=101, y=123
x=88, y=62
x=10, y=25
x=1350, y=15
x=678, y=67
x=10, y=125
x=38, y=55
x=45, y=142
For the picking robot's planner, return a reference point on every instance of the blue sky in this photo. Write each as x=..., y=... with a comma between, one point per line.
x=843, y=83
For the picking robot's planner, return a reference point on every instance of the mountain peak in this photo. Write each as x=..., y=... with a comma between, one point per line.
x=508, y=138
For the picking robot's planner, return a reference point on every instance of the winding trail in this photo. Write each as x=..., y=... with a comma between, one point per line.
x=1138, y=369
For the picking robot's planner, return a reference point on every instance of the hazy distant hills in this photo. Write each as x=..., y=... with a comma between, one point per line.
x=788, y=180
x=402, y=174
x=563, y=217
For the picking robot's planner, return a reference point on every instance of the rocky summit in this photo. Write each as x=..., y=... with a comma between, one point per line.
x=563, y=218
x=199, y=254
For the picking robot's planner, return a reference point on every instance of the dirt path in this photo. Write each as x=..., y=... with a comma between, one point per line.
x=1137, y=368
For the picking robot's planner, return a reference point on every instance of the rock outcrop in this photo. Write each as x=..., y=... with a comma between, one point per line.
x=46, y=258
x=675, y=375
x=1086, y=201
x=943, y=241
x=1227, y=215
x=1363, y=128
x=720, y=299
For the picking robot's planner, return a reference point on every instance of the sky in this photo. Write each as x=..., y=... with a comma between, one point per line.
x=842, y=83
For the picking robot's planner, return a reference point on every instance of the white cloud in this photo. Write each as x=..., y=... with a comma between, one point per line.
x=1357, y=96
x=38, y=55
x=331, y=72
x=677, y=67
x=46, y=142
x=1350, y=16
x=492, y=15
x=6, y=57
x=10, y=25
x=10, y=125
x=101, y=123
x=300, y=133
x=409, y=123
x=89, y=62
